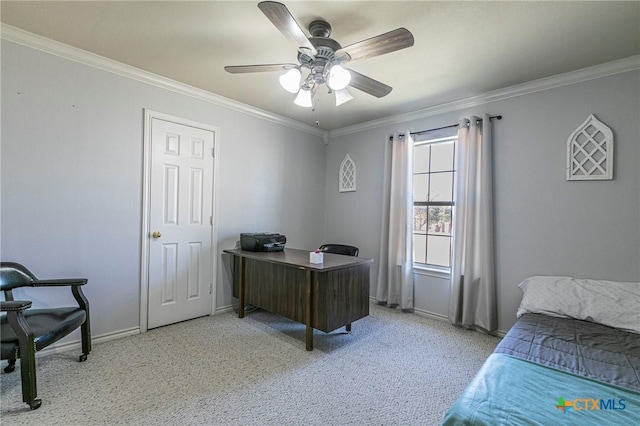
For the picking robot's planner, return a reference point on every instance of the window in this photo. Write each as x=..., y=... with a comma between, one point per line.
x=433, y=190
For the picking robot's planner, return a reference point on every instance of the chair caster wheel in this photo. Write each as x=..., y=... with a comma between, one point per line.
x=35, y=404
x=11, y=367
x=82, y=358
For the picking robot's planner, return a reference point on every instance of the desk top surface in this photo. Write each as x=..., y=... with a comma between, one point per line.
x=300, y=258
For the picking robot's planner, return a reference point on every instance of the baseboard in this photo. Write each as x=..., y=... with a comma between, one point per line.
x=431, y=315
x=77, y=344
x=420, y=312
x=224, y=309
x=440, y=317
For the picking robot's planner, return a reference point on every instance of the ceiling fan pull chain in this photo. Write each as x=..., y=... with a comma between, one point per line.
x=316, y=109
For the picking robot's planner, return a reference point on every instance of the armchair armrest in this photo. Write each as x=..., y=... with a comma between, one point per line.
x=60, y=282
x=14, y=305
x=74, y=283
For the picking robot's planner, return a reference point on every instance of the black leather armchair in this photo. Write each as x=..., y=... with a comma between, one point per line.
x=25, y=331
x=339, y=249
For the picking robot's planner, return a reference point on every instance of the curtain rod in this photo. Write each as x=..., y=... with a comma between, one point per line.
x=498, y=117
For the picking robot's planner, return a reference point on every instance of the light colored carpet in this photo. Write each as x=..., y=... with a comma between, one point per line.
x=393, y=369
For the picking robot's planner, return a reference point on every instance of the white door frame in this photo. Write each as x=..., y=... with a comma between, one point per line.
x=149, y=115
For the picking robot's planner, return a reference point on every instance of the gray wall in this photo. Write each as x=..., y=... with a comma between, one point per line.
x=71, y=178
x=545, y=225
x=71, y=183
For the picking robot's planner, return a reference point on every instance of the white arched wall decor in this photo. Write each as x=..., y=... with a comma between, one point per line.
x=590, y=151
x=347, y=174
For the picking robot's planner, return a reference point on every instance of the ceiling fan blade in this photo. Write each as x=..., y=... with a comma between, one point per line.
x=378, y=45
x=241, y=69
x=369, y=85
x=280, y=16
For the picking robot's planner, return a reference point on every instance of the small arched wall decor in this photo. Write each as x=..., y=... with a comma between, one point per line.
x=347, y=174
x=590, y=151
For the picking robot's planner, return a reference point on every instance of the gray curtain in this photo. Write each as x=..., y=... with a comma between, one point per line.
x=395, y=270
x=472, y=301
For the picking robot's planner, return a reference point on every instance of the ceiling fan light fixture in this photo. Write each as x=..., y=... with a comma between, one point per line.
x=321, y=56
x=339, y=78
x=290, y=81
x=342, y=96
x=304, y=97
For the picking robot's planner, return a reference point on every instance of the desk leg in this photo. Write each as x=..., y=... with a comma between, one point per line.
x=307, y=315
x=240, y=287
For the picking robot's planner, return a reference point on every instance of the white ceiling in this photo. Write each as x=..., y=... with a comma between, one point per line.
x=462, y=49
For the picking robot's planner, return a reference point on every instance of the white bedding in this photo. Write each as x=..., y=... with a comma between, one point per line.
x=612, y=303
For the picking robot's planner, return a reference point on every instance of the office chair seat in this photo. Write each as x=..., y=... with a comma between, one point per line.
x=47, y=326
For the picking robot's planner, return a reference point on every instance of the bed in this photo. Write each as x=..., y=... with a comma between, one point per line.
x=573, y=357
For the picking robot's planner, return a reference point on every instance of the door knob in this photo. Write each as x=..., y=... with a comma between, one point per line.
x=156, y=234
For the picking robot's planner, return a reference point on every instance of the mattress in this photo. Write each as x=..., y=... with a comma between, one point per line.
x=560, y=371
x=513, y=391
x=587, y=349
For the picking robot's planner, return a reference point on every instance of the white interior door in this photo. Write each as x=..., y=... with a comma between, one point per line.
x=180, y=223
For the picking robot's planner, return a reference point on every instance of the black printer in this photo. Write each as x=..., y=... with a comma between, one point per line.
x=262, y=241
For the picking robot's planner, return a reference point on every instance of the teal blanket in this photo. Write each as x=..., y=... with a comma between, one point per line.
x=512, y=391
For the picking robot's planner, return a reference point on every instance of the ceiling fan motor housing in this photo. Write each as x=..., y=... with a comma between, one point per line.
x=326, y=47
x=320, y=28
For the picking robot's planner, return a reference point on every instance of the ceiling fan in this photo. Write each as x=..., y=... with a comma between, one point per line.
x=322, y=57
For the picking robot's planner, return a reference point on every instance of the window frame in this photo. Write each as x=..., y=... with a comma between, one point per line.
x=435, y=139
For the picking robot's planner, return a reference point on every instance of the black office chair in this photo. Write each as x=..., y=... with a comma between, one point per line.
x=25, y=331
x=340, y=249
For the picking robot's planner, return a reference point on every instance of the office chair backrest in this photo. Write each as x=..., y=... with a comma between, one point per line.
x=14, y=275
x=339, y=249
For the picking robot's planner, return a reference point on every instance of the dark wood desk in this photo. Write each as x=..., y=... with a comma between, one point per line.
x=323, y=296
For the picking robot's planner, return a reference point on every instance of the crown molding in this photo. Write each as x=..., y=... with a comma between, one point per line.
x=34, y=41
x=25, y=38
x=597, y=71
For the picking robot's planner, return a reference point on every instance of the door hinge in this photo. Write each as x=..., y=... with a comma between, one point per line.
x=213, y=152
x=210, y=288
x=210, y=220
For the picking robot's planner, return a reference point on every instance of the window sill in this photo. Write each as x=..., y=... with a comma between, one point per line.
x=432, y=271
